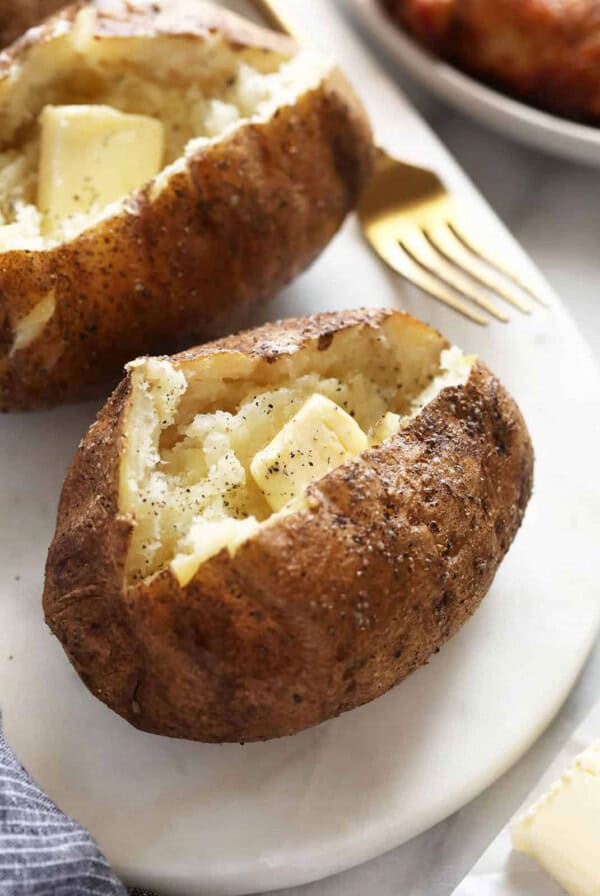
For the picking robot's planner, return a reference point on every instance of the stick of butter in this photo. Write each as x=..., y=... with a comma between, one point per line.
x=562, y=830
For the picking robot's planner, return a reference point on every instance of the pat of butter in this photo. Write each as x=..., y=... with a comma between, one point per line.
x=562, y=830
x=318, y=438
x=92, y=155
x=31, y=326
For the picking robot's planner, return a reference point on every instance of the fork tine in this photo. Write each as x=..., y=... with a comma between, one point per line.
x=507, y=272
x=445, y=241
x=404, y=265
x=416, y=244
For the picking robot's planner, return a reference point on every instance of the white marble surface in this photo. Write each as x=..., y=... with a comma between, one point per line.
x=553, y=208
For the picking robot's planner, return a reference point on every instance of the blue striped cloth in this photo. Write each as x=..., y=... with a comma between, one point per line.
x=42, y=852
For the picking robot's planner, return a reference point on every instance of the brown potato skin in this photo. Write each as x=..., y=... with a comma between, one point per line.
x=323, y=611
x=247, y=215
x=16, y=16
x=544, y=51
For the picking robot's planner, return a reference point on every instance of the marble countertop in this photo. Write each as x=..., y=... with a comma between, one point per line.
x=552, y=207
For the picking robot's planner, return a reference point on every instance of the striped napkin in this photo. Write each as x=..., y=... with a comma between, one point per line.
x=42, y=852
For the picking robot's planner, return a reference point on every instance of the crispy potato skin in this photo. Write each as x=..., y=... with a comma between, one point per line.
x=16, y=16
x=317, y=614
x=247, y=215
x=545, y=51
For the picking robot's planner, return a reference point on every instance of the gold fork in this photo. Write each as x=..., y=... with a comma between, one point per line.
x=413, y=223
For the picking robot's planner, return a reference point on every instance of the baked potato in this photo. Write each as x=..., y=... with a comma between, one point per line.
x=266, y=531
x=546, y=52
x=161, y=171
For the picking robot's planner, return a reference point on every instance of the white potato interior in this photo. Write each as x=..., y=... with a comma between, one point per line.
x=198, y=91
x=194, y=428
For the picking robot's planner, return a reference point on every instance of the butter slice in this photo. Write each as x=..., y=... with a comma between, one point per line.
x=562, y=830
x=92, y=155
x=320, y=437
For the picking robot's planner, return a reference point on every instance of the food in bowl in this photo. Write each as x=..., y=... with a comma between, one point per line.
x=162, y=170
x=266, y=531
x=543, y=51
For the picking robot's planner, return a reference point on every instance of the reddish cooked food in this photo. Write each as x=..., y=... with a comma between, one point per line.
x=194, y=611
x=545, y=51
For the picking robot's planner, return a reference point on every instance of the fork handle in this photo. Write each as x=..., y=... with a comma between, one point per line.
x=277, y=20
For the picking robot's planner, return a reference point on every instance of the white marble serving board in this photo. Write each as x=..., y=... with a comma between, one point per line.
x=187, y=818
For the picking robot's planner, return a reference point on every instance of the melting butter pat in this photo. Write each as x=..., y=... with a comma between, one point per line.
x=318, y=438
x=92, y=155
x=562, y=830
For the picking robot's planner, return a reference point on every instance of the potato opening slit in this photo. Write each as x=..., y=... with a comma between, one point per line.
x=128, y=112
x=220, y=445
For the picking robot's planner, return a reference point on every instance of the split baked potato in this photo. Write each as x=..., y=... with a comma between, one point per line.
x=266, y=531
x=161, y=171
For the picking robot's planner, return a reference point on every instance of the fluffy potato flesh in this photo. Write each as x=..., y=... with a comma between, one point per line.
x=165, y=94
x=220, y=445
